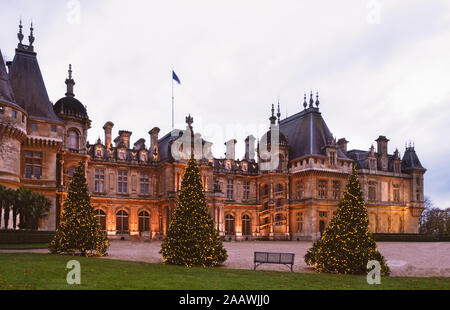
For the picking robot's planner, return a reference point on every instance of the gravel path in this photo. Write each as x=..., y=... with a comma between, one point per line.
x=418, y=259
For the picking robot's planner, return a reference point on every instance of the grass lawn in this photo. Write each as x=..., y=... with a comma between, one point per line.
x=24, y=246
x=45, y=271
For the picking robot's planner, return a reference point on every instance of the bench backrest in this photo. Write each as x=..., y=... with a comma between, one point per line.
x=274, y=258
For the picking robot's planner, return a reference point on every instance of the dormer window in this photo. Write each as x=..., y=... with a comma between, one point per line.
x=244, y=166
x=122, y=155
x=372, y=164
x=228, y=165
x=333, y=158
x=143, y=156
x=98, y=152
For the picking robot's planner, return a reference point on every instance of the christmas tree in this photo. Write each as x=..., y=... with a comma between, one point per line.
x=79, y=231
x=347, y=245
x=192, y=239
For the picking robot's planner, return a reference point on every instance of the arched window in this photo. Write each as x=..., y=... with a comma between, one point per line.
x=73, y=140
x=101, y=216
x=122, y=222
x=246, y=225
x=229, y=224
x=144, y=221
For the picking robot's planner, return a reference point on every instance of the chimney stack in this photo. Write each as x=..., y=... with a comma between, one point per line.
x=108, y=129
x=154, y=142
x=342, y=144
x=125, y=137
x=231, y=146
x=250, y=148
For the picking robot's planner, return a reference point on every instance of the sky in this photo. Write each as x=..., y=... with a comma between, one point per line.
x=381, y=67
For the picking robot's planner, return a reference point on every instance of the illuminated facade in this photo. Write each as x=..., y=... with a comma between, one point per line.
x=134, y=186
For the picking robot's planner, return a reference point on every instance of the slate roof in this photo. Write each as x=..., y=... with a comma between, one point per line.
x=6, y=93
x=410, y=160
x=307, y=134
x=70, y=106
x=28, y=85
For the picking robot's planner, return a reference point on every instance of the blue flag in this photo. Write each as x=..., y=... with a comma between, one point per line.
x=175, y=77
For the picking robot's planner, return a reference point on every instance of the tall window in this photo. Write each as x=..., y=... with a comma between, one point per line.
x=336, y=189
x=246, y=190
x=279, y=219
x=332, y=158
x=33, y=165
x=144, y=183
x=144, y=221
x=99, y=180
x=265, y=191
x=396, y=192
x=122, y=182
x=299, y=188
x=229, y=224
x=299, y=222
x=229, y=189
x=279, y=190
x=372, y=195
x=322, y=188
x=246, y=225
x=101, y=216
x=122, y=222
x=73, y=140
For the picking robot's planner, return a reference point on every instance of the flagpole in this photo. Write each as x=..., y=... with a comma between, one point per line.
x=172, y=103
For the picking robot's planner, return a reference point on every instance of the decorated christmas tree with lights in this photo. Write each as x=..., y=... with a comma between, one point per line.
x=347, y=245
x=79, y=231
x=192, y=239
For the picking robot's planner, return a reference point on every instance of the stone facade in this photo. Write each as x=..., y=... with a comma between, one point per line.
x=289, y=191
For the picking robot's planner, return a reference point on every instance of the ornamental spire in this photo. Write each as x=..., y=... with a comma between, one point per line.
x=31, y=37
x=304, y=102
x=311, y=101
x=272, y=118
x=70, y=83
x=20, y=34
x=317, y=99
x=279, y=113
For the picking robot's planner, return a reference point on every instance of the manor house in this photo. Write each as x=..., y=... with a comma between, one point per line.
x=134, y=186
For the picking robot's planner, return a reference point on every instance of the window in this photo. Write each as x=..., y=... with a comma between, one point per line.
x=14, y=114
x=299, y=222
x=122, y=222
x=144, y=184
x=396, y=192
x=322, y=214
x=33, y=165
x=98, y=152
x=23, y=118
x=121, y=155
x=122, y=182
x=2, y=109
x=33, y=127
x=73, y=140
x=229, y=189
x=332, y=158
x=336, y=189
x=418, y=195
x=99, y=183
x=229, y=224
x=418, y=181
x=279, y=219
x=53, y=128
x=143, y=156
x=70, y=173
x=265, y=191
x=279, y=190
x=372, y=190
x=101, y=216
x=144, y=221
x=246, y=190
x=322, y=188
x=299, y=188
x=373, y=164
x=246, y=225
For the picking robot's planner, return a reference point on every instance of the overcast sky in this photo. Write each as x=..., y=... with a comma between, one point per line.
x=382, y=67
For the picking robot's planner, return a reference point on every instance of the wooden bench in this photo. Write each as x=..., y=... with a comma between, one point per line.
x=274, y=258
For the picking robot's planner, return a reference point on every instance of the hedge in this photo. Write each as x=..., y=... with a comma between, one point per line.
x=410, y=237
x=25, y=236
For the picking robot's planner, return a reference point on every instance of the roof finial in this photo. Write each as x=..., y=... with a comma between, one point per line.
x=31, y=37
x=304, y=101
x=272, y=118
x=189, y=120
x=311, y=101
x=20, y=34
x=279, y=113
x=70, y=83
x=317, y=99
